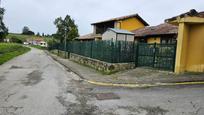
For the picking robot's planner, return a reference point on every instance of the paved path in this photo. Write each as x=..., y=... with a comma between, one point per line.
x=34, y=84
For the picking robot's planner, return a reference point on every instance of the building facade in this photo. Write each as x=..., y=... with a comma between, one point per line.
x=190, y=41
x=129, y=23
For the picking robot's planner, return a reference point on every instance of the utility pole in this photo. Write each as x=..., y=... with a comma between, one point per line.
x=65, y=43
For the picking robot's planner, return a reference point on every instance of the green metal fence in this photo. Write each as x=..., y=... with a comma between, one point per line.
x=160, y=56
x=109, y=51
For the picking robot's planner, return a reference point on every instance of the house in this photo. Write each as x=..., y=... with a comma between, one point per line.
x=118, y=35
x=163, y=33
x=38, y=41
x=43, y=44
x=129, y=23
x=190, y=41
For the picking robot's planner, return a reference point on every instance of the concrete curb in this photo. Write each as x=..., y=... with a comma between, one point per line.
x=142, y=85
x=126, y=85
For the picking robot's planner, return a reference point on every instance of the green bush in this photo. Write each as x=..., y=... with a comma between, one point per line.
x=15, y=39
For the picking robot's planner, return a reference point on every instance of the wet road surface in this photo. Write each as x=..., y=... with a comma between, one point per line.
x=34, y=84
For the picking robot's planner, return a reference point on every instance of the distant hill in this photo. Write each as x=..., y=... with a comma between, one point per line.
x=25, y=37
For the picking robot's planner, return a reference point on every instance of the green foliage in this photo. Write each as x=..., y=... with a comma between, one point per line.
x=3, y=29
x=38, y=34
x=10, y=50
x=26, y=37
x=15, y=39
x=51, y=41
x=65, y=28
x=38, y=47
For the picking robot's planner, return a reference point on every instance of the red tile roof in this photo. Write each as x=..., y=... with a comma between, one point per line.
x=192, y=13
x=122, y=18
x=162, y=29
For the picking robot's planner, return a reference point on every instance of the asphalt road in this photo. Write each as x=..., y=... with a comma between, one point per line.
x=34, y=84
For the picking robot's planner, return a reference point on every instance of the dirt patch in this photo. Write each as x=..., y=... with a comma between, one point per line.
x=107, y=96
x=9, y=110
x=23, y=97
x=8, y=96
x=143, y=110
x=130, y=108
x=16, y=67
x=154, y=110
x=81, y=106
x=33, y=78
x=2, y=78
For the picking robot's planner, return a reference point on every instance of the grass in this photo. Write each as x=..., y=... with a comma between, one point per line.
x=9, y=50
x=38, y=47
x=26, y=37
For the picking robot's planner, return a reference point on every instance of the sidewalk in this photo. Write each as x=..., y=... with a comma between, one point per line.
x=134, y=76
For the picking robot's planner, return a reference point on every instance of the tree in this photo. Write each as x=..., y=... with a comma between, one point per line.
x=27, y=31
x=3, y=29
x=65, y=28
x=38, y=34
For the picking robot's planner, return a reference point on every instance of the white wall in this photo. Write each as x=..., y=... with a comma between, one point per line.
x=130, y=38
x=109, y=35
x=122, y=37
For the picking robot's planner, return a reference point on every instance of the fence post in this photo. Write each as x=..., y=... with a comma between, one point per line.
x=136, y=54
x=112, y=48
x=174, y=60
x=154, y=55
x=91, y=49
x=119, y=52
x=57, y=49
x=68, y=49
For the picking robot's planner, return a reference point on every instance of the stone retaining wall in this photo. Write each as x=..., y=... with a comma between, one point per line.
x=101, y=65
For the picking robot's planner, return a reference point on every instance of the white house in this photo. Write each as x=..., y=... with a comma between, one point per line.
x=118, y=35
x=43, y=44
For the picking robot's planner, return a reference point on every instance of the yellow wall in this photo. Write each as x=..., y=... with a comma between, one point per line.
x=154, y=40
x=129, y=24
x=182, y=45
x=195, y=54
x=190, y=48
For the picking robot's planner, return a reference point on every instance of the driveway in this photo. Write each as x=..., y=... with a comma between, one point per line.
x=34, y=84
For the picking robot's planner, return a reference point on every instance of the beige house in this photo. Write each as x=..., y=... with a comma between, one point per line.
x=118, y=35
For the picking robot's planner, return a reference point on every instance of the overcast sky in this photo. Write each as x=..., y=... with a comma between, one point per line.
x=39, y=15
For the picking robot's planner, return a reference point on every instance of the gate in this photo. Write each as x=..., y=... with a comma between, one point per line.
x=161, y=56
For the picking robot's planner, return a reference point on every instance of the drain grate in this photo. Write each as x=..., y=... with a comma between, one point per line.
x=107, y=96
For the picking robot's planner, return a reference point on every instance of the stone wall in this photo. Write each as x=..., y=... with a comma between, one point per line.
x=101, y=65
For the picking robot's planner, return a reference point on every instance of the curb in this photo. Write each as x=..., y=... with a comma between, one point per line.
x=142, y=85
x=124, y=85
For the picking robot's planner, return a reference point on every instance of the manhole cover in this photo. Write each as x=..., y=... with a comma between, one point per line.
x=107, y=96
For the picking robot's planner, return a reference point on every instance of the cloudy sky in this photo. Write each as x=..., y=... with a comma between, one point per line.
x=39, y=15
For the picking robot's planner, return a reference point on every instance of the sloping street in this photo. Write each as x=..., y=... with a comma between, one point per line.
x=34, y=84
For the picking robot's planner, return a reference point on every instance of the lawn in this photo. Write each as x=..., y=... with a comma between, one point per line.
x=26, y=37
x=10, y=50
x=38, y=47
